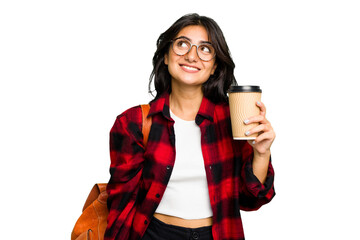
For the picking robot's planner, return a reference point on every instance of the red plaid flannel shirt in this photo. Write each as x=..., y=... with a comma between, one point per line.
x=139, y=174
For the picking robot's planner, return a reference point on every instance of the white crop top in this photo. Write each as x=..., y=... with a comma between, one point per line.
x=186, y=195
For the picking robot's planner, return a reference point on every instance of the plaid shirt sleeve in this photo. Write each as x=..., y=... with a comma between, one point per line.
x=254, y=194
x=127, y=156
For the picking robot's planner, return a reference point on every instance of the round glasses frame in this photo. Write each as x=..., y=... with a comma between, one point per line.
x=191, y=45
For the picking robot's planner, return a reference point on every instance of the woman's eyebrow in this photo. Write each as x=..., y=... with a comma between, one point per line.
x=201, y=42
x=207, y=42
x=185, y=38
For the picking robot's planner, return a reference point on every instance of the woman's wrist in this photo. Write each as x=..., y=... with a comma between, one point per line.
x=262, y=156
x=260, y=165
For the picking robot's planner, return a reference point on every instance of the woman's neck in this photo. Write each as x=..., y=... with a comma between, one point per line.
x=185, y=104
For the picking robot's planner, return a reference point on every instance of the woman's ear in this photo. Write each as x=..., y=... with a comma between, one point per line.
x=213, y=69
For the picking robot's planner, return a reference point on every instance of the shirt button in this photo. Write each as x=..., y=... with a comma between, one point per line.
x=146, y=222
x=157, y=195
x=168, y=168
x=195, y=235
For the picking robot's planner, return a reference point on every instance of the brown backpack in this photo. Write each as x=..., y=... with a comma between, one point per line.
x=92, y=223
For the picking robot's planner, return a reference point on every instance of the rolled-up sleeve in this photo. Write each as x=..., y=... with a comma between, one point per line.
x=254, y=194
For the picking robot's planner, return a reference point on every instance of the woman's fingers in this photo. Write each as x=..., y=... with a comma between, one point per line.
x=265, y=136
x=257, y=129
x=259, y=118
x=256, y=119
x=262, y=108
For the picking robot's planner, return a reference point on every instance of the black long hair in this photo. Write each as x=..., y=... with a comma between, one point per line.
x=215, y=88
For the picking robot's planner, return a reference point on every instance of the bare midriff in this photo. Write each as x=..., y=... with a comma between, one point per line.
x=188, y=223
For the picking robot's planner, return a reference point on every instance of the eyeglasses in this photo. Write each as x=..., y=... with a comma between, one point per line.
x=182, y=46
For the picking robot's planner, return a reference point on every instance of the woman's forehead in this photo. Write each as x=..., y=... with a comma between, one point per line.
x=195, y=33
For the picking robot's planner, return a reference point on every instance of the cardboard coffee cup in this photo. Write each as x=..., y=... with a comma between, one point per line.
x=242, y=102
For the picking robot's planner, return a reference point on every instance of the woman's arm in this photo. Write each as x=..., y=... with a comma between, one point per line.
x=261, y=145
x=257, y=172
x=261, y=165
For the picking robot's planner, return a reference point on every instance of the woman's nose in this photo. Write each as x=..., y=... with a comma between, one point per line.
x=192, y=54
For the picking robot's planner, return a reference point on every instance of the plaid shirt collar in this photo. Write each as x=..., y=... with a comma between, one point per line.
x=161, y=105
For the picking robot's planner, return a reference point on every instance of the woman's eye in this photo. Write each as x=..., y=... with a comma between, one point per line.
x=182, y=44
x=205, y=49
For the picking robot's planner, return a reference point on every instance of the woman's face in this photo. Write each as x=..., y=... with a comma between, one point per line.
x=189, y=69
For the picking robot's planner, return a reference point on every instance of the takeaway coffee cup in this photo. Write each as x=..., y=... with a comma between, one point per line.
x=242, y=102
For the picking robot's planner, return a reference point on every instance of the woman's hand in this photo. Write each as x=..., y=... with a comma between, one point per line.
x=262, y=143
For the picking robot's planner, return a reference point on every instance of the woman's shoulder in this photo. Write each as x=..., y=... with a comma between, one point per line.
x=132, y=115
x=131, y=111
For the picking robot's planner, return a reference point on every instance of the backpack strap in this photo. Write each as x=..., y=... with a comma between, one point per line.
x=146, y=122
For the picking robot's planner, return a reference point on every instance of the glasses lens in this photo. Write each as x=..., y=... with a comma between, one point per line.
x=206, y=52
x=181, y=46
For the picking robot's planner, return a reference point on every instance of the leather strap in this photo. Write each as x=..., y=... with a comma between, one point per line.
x=146, y=122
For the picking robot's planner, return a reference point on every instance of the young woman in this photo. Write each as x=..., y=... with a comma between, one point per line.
x=192, y=178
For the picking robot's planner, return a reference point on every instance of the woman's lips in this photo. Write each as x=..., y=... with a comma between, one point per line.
x=190, y=69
